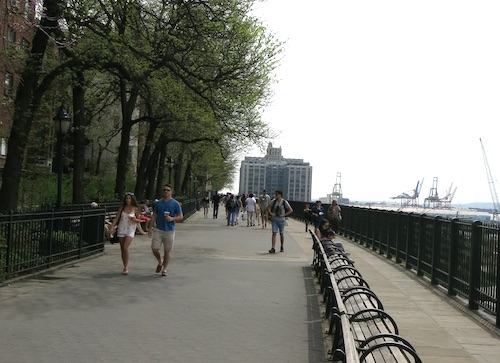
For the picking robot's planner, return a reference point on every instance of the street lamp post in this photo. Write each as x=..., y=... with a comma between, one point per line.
x=170, y=165
x=61, y=125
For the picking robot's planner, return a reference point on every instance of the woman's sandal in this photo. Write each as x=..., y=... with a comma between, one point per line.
x=164, y=273
x=125, y=272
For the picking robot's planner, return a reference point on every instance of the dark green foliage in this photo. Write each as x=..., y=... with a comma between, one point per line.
x=57, y=243
x=39, y=188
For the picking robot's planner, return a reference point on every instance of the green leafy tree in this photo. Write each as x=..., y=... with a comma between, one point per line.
x=198, y=71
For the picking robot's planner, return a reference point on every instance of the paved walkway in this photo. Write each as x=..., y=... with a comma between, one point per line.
x=225, y=300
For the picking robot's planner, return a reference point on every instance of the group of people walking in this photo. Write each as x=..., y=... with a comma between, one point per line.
x=253, y=209
x=160, y=226
x=258, y=210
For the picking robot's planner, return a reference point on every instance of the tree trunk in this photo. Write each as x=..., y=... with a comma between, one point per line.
x=179, y=187
x=142, y=170
x=128, y=107
x=79, y=141
x=160, y=179
x=151, y=174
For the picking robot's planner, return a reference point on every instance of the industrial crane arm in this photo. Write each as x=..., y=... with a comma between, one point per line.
x=491, y=183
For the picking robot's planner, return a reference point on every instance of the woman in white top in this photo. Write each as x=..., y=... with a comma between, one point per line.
x=127, y=220
x=257, y=211
x=250, y=202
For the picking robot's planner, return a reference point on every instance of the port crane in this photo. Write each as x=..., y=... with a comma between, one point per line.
x=448, y=198
x=337, y=189
x=410, y=200
x=433, y=200
x=491, y=183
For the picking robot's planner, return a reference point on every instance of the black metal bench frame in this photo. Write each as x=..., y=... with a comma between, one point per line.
x=360, y=328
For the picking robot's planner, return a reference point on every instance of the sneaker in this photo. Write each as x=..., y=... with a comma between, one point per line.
x=272, y=250
x=281, y=249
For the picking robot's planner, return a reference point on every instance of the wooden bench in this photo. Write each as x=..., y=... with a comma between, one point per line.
x=358, y=321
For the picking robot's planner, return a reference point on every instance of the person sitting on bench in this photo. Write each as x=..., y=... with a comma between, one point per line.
x=328, y=243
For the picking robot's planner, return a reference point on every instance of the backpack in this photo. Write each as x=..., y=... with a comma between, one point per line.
x=285, y=205
x=230, y=204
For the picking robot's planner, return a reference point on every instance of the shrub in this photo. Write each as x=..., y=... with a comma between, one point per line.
x=62, y=241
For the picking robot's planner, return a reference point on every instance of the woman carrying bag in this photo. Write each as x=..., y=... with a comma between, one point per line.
x=127, y=219
x=334, y=215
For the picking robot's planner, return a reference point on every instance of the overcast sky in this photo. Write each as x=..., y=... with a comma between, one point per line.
x=388, y=93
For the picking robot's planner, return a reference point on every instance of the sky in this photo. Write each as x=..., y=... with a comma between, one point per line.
x=388, y=93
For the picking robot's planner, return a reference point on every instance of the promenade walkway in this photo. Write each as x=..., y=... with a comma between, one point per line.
x=226, y=299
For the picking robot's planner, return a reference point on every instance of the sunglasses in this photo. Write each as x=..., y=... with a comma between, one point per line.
x=129, y=193
x=167, y=190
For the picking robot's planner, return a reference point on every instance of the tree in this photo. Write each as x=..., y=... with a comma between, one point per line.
x=215, y=49
x=214, y=57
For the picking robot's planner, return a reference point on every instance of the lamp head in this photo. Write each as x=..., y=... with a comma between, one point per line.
x=61, y=121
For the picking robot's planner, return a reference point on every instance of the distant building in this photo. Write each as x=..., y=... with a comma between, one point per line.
x=274, y=172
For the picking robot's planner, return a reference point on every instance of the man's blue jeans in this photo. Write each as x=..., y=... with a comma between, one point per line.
x=231, y=218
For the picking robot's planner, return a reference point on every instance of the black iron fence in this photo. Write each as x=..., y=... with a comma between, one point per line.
x=34, y=241
x=30, y=242
x=461, y=256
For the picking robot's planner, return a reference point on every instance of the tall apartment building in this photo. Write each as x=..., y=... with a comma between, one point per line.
x=274, y=172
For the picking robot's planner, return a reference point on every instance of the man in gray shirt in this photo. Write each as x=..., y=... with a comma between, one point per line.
x=279, y=209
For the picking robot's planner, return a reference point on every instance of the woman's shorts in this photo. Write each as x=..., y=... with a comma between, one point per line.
x=129, y=234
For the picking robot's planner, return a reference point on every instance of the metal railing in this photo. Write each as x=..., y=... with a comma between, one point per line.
x=461, y=256
x=30, y=242
x=35, y=241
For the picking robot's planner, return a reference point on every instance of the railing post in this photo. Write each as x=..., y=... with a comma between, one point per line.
x=388, y=234
x=419, y=244
x=497, y=302
x=436, y=248
x=407, y=241
x=81, y=237
x=51, y=235
x=354, y=224
x=452, y=258
x=378, y=236
x=8, y=262
x=475, y=265
x=399, y=221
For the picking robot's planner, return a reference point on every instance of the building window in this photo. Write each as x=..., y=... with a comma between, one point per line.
x=3, y=146
x=11, y=35
x=8, y=84
x=27, y=8
x=14, y=5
